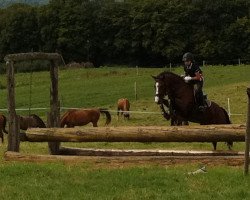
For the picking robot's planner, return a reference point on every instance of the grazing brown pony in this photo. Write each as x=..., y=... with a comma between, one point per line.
x=80, y=117
x=182, y=98
x=123, y=107
x=31, y=121
x=2, y=126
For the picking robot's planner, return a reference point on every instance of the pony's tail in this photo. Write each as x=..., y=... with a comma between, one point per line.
x=227, y=116
x=108, y=116
x=64, y=119
x=4, y=124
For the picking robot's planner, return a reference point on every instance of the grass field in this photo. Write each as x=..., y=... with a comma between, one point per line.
x=102, y=88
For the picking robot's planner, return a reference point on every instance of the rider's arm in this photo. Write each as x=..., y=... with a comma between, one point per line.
x=197, y=77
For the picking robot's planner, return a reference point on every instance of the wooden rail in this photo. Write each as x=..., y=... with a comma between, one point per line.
x=209, y=133
x=121, y=161
x=32, y=56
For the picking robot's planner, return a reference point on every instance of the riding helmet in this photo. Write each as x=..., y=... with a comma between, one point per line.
x=188, y=57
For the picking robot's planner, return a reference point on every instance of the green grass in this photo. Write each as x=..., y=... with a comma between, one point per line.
x=102, y=88
x=57, y=181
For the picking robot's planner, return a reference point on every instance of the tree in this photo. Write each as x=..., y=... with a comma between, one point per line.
x=20, y=31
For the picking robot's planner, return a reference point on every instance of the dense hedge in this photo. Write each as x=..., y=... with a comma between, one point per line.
x=141, y=32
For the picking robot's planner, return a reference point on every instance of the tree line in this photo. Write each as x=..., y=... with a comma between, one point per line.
x=133, y=32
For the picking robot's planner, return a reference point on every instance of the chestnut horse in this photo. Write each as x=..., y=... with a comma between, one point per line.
x=80, y=117
x=2, y=126
x=182, y=98
x=123, y=107
x=31, y=121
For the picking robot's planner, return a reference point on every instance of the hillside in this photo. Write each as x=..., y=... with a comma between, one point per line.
x=104, y=86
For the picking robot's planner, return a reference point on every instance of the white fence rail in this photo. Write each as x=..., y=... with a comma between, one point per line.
x=115, y=111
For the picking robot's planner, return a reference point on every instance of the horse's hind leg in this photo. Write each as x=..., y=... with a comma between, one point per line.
x=94, y=124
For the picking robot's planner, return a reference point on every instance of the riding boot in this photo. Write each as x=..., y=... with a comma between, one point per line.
x=200, y=101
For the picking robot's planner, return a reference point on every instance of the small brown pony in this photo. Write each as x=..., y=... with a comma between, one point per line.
x=31, y=121
x=123, y=107
x=2, y=126
x=80, y=117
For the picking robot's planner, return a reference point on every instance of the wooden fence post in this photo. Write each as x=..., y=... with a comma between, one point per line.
x=247, y=138
x=13, y=137
x=54, y=116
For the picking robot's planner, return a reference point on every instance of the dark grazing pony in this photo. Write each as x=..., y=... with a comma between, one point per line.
x=183, y=102
x=2, y=126
x=31, y=121
x=123, y=107
x=80, y=117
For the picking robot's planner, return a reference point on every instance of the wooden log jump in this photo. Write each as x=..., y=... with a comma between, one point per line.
x=208, y=133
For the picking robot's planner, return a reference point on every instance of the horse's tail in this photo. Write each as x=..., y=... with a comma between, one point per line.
x=41, y=124
x=4, y=124
x=63, y=120
x=108, y=116
x=227, y=116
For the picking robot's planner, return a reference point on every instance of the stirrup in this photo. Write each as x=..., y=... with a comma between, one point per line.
x=202, y=108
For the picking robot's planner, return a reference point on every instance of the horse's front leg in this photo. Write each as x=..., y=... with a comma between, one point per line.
x=118, y=114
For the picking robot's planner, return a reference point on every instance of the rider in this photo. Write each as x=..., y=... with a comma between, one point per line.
x=193, y=75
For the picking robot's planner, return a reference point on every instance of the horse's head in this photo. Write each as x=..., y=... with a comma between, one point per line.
x=166, y=83
x=160, y=89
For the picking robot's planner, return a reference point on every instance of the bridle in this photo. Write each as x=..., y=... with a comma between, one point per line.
x=160, y=99
x=157, y=97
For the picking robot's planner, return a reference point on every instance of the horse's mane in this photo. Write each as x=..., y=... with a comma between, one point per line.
x=39, y=120
x=167, y=74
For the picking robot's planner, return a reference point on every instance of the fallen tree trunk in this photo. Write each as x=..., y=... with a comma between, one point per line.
x=209, y=133
x=127, y=161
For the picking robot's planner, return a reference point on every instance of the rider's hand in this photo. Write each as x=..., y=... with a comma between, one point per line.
x=187, y=78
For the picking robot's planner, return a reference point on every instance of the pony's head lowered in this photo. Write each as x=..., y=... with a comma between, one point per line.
x=165, y=84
